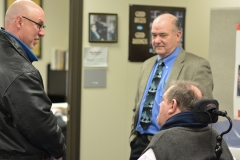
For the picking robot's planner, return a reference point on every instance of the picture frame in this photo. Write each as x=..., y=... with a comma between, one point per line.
x=38, y=47
x=103, y=27
x=140, y=24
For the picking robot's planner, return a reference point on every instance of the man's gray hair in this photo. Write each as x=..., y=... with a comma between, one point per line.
x=185, y=95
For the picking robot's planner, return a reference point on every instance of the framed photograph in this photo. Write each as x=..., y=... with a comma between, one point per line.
x=37, y=49
x=140, y=24
x=103, y=27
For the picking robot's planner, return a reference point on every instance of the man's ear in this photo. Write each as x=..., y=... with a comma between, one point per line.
x=179, y=35
x=173, y=107
x=18, y=22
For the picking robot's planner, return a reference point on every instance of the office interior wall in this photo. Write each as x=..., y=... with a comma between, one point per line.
x=198, y=23
x=107, y=112
x=222, y=52
x=56, y=32
x=198, y=30
x=2, y=13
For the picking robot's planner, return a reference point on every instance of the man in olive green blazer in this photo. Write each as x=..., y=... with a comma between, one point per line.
x=166, y=35
x=186, y=67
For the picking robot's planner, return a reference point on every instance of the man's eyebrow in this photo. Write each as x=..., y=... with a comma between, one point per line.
x=162, y=33
x=40, y=20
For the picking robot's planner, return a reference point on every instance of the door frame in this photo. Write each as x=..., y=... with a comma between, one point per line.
x=74, y=80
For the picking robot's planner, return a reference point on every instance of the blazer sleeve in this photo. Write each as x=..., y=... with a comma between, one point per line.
x=203, y=75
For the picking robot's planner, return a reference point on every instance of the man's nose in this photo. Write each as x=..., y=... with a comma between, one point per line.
x=158, y=39
x=41, y=32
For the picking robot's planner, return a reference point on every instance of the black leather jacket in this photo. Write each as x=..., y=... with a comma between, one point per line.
x=28, y=129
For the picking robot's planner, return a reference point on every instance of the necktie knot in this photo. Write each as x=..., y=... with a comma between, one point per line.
x=160, y=62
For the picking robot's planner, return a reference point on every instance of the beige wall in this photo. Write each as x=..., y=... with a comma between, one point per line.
x=107, y=112
x=56, y=32
x=1, y=13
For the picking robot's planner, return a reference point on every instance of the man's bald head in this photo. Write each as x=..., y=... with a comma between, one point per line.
x=19, y=8
x=24, y=19
x=169, y=18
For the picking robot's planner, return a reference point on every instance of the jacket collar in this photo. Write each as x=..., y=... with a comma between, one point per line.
x=183, y=119
x=32, y=57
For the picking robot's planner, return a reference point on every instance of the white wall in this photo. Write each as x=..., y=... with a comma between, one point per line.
x=1, y=13
x=107, y=112
x=56, y=32
x=198, y=35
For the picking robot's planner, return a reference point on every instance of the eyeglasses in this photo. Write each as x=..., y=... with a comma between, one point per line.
x=40, y=26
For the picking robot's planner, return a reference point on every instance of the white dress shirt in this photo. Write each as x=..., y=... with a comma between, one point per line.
x=148, y=155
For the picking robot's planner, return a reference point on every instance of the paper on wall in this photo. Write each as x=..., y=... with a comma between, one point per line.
x=95, y=57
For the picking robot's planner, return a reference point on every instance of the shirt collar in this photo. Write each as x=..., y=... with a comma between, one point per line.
x=32, y=57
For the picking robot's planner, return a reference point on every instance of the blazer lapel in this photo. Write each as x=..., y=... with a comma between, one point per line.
x=147, y=69
x=176, y=69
